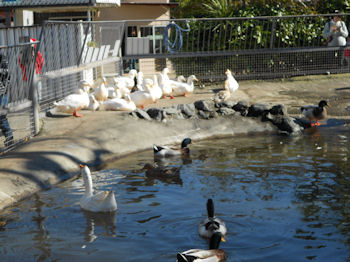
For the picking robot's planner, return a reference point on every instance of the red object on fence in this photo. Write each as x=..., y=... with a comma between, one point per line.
x=38, y=63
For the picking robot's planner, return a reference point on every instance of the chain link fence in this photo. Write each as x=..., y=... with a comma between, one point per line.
x=16, y=108
x=75, y=51
x=252, y=47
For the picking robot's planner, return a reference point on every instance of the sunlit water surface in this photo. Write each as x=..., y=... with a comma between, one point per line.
x=283, y=199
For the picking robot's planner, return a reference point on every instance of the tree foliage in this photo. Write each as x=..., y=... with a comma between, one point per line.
x=239, y=8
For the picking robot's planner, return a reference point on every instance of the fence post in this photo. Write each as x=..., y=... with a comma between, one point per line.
x=35, y=103
x=33, y=81
x=84, y=43
x=273, y=29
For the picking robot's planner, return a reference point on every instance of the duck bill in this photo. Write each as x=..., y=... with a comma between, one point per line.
x=223, y=239
x=81, y=166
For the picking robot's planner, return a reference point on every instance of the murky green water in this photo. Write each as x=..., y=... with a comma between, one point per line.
x=283, y=199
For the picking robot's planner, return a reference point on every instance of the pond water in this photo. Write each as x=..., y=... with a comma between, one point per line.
x=283, y=199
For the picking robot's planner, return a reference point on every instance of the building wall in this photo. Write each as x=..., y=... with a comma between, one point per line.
x=24, y=18
x=139, y=12
x=145, y=1
x=134, y=12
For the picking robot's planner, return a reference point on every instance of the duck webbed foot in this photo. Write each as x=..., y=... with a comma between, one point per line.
x=76, y=114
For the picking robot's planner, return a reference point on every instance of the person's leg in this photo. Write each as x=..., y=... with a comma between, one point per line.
x=6, y=130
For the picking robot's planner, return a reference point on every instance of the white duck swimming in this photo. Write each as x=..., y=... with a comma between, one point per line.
x=119, y=104
x=101, y=92
x=165, y=85
x=183, y=89
x=72, y=103
x=103, y=201
x=213, y=254
x=211, y=224
x=230, y=81
x=127, y=80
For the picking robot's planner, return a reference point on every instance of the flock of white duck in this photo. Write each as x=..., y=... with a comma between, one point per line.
x=211, y=228
x=124, y=94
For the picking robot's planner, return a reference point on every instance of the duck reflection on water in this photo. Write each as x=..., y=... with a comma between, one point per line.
x=105, y=220
x=165, y=174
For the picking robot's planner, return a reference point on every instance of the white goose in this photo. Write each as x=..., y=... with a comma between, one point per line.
x=123, y=89
x=165, y=86
x=101, y=92
x=74, y=102
x=140, y=81
x=183, y=89
x=156, y=89
x=230, y=81
x=119, y=104
x=181, y=78
x=127, y=80
x=114, y=92
x=94, y=104
x=103, y=201
x=143, y=98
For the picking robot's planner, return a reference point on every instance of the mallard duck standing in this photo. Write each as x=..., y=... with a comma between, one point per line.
x=315, y=113
x=211, y=224
x=164, y=151
x=213, y=254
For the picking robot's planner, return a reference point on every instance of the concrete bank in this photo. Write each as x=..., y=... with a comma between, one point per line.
x=64, y=142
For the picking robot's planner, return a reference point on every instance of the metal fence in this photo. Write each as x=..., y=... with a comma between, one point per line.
x=223, y=35
x=66, y=53
x=252, y=47
x=16, y=107
x=75, y=51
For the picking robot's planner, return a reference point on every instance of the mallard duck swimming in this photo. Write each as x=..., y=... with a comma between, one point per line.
x=214, y=254
x=164, y=151
x=103, y=201
x=315, y=113
x=211, y=224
